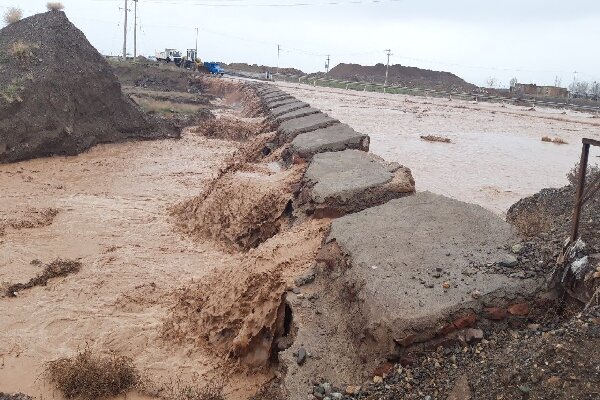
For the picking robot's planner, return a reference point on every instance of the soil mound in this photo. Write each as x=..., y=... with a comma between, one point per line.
x=228, y=128
x=401, y=75
x=58, y=94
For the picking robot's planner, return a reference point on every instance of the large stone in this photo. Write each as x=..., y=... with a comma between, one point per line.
x=293, y=127
x=286, y=108
x=333, y=138
x=387, y=254
x=274, y=96
x=338, y=183
x=302, y=112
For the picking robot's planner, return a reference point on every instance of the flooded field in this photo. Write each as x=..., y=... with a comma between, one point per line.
x=495, y=157
x=110, y=212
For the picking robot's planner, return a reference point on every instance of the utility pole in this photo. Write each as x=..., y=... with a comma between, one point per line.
x=327, y=65
x=125, y=34
x=196, y=44
x=387, y=67
x=135, y=29
x=278, y=51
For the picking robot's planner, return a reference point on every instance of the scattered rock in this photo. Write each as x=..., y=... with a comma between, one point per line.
x=472, y=335
x=305, y=279
x=495, y=313
x=351, y=390
x=520, y=309
x=517, y=248
x=301, y=357
x=509, y=261
x=377, y=379
x=465, y=321
x=461, y=390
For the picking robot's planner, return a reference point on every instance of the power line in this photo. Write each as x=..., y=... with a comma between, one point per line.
x=239, y=4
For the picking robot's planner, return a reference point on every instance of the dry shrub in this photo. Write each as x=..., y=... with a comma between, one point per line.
x=13, y=15
x=90, y=376
x=593, y=171
x=57, y=268
x=228, y=128
x=187, y=392
x=530, y=224
x=21, y=50
x=556, y=140
x=54, y=6
x=434, y=138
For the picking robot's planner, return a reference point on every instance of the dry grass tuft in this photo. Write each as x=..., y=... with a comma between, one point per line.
x=13, y=15
x=533, y=223
x=186, y=392
x=21, y=50
x=57, y=268
x=556, y=140
x=54, y=6
x=434, y=138
x=89, y=376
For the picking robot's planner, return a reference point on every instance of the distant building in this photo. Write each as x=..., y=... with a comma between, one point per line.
x=531, y=89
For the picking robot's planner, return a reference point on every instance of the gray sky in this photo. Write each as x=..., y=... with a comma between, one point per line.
x=533, y=40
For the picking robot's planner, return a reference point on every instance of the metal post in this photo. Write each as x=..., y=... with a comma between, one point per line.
x=327, y=65
x=585, y=152
x=389, y=53
x=196, y=44
x=135, y=29
x=278, y=51
x=125, y=34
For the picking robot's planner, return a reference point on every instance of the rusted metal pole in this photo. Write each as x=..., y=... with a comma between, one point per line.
x=585, y=152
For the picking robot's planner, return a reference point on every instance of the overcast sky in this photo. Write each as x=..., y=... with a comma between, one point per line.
x=535, y=40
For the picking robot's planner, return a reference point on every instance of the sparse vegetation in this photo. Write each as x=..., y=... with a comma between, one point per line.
x=90, y=376
x=21, y=50
x=533, y=223
x=434, y=138
x=13, y=15
x=54, y=6
x=592, y=172
x=57, y=268
x=12, y=92
x=187, y=392
x=556, y=140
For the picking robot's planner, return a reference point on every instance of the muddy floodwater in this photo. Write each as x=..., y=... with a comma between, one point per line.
x=111, y=205
x=495, y=157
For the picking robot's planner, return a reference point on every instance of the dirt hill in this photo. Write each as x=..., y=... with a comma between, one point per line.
x=401, y=75
x=58, y=95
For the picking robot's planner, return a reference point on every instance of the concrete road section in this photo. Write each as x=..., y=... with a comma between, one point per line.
x=293, y=127
x=276, y=112
x=337, y=183
x=302, y=112
x=418, y=263
x=337, y=137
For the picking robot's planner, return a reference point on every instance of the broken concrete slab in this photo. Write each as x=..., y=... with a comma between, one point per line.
x=342, y=182
x=416, y=265
x=286, y=108
x=272, y=96
x=337, y=137
x=277, y=103
x=302, y=112
x=293, y=127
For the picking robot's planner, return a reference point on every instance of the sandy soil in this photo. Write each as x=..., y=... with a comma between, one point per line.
x=496, y=156
x=112, y=215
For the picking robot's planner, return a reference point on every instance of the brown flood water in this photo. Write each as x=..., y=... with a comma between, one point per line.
x=113, y=216
x=496, y=156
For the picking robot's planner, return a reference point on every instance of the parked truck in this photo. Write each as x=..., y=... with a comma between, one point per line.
x=214, y=68
x=169, y=55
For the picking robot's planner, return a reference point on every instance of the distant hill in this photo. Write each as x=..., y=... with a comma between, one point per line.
x=261, y=68
x=401, y=75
